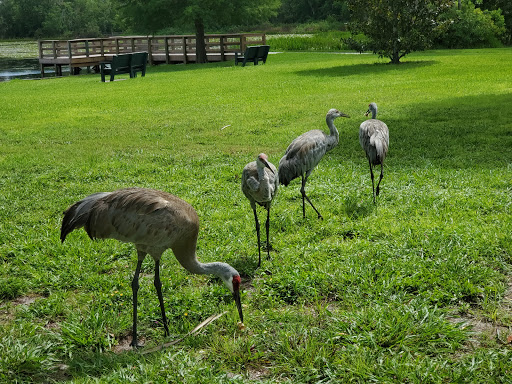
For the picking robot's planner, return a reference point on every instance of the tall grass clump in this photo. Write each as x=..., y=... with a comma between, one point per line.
x=321, y=41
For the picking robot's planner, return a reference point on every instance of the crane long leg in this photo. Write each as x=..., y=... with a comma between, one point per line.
x=373, y=182
x=158, y=286
x=303, y=192
x=267, y=227
x=258, y=234
x=135, y=288
x=380, y=178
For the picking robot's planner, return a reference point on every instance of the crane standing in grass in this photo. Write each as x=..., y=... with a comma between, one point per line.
x=305, y=152
x=154, y=221
x=374, y=139
x=259, y=185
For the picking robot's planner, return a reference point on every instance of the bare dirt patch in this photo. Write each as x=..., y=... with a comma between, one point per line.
x=7, y=309
x=124, y=345
x=26, y=300
x=485, y=331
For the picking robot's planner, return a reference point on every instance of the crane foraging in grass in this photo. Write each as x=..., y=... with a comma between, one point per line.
x=374, y=139
x=259, y=185
x=305, y=152
x=154, y=221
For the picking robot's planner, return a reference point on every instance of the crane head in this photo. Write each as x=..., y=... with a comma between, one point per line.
x=236, y=281
x=233, y=281
x=371, y=108
x=334, y=113
x=263, y=160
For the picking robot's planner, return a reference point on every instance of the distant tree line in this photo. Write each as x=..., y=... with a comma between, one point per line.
x=384, y=23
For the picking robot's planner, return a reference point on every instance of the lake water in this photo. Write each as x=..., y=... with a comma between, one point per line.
x=24, y=69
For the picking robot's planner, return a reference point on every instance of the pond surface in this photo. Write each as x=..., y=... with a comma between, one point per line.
x=18, y=60
x=23, y=69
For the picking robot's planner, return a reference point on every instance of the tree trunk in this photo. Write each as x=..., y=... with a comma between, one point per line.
x=200, y=45
x=395, y=59
x=395, y=56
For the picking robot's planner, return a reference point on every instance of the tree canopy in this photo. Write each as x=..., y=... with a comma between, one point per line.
x=151, y=16
x=395, y=28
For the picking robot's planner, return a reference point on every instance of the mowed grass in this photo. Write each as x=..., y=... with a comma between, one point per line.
x=415, y=289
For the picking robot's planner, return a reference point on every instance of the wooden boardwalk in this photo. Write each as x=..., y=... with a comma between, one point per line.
x=171, y=49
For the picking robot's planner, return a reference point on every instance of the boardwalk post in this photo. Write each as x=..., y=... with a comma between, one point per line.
x=87, y=54
x=166, y=47
x=150, y=50
x=222, y=58
x=185, y=58
x=243, y=43
x=70, y=56
x=41, y=65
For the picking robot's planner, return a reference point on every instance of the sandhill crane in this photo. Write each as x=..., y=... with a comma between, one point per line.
x=259, y=185
x=154, y=221
x=305, y=152
x=374, y=139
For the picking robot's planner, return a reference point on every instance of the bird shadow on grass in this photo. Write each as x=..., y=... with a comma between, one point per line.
x=363, y=69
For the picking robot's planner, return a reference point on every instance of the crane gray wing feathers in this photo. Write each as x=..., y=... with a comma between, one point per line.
x=374, y=139
x=142, y=216
x=253, y=188
x=303, y=154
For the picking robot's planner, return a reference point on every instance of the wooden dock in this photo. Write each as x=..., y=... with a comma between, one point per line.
x=170, y=49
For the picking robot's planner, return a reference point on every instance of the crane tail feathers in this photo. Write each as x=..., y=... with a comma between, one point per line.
x=77, y=215
x=286, y=171
x=380, y=150
x=283, y=180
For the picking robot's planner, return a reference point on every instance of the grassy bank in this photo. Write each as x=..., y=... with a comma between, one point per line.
x=320, y=41
x=417, y=289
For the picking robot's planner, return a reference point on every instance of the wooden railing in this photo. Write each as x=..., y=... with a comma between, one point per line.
x=174, y=48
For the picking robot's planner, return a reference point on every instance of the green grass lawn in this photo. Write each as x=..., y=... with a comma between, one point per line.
x=416, y=289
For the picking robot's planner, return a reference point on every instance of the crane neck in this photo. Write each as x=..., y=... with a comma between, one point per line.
x=332, y=129
x=262, y=175
x=374, y=114
x=186, y=255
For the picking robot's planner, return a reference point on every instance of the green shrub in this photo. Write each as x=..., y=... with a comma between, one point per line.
x=471, y=27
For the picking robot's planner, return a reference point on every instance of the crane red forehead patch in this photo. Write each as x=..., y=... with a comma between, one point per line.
x=236, y=283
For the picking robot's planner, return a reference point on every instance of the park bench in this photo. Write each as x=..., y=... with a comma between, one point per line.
x=124, y=63
x=253, y=53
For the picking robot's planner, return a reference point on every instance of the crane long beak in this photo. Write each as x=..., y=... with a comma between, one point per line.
x=268, y=166
x=344, y=115
x=367, y=113
x=236, y=296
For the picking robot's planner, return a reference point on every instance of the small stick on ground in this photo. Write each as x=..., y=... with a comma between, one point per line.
x=192, y=332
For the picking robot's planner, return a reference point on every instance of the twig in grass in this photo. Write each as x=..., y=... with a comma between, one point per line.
x=229, y=125
x=192, y=332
